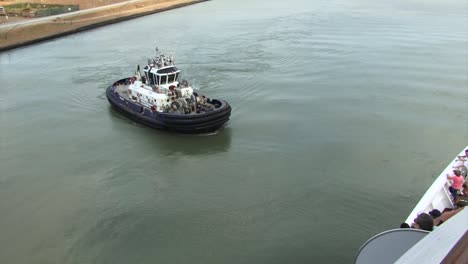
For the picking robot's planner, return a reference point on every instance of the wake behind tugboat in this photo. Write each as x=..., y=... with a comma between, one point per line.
x=159, y=99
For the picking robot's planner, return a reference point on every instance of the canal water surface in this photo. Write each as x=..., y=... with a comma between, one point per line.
x=344, y=112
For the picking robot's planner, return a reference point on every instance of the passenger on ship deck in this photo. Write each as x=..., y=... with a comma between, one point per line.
x=462, y=164
x=457, y=182
x=465, y=157
x=423, y=222
x=404, y=225
x=447, y=214
x=463, y=194
x=435, y=213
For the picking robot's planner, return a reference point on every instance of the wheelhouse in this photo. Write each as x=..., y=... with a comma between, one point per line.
x=161, y=76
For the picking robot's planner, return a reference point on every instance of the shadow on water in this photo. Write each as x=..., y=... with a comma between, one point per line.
x=172, y=143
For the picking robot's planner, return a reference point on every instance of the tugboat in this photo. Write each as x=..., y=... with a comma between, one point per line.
x=156, y=96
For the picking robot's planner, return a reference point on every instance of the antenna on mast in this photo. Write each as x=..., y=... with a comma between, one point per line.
x=138, y=72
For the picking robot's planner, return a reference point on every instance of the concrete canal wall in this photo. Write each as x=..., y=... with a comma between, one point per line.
x=15, y=35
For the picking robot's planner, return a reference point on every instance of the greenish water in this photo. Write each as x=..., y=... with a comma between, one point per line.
x=344, y=112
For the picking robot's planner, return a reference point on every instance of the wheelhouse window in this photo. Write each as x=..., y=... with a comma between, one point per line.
x=168, y=70
x=153, y=79
x=163, y=79
x=171, y=78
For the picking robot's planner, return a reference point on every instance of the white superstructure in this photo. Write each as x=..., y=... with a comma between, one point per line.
x=157, y=87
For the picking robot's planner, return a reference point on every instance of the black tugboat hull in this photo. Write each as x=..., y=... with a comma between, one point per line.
x=183, y=123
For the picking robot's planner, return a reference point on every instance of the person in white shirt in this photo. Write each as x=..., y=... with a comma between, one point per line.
x=462, y=164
